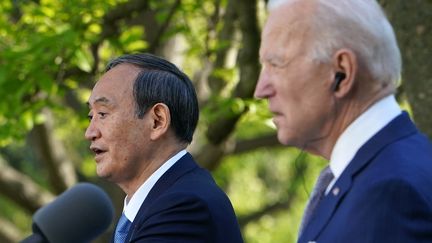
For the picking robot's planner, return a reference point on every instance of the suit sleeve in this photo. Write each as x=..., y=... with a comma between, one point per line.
x=176, y=217
x=392, y=211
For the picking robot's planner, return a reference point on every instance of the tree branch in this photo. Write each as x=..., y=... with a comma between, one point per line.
x=155, y=41
x=51, y=151
x=206, y=81
x=225, y=38
x=219, y=132
x=284, y=203
x=248, y=65
x=248, y=55
x=122, y=11
x=22, y=189
x=273, y=208
x=265, y=141
x=211, y=155
x=9, y=232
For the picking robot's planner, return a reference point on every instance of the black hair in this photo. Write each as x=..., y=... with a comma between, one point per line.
x=162, y=82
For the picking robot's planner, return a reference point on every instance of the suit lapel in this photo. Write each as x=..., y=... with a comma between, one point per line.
x=400, y=127
x=181, y=167
x=184, y=165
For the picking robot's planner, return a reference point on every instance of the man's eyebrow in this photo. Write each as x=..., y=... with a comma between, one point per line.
x=273, y=59
x=102, y=100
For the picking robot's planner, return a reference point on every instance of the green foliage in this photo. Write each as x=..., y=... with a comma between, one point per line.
x=16, y=215
x=34, y=53
x=47, y=53
x=52, y=52
x=265, y=177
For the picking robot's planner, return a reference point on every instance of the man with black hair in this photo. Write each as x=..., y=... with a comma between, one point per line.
x=143, y=113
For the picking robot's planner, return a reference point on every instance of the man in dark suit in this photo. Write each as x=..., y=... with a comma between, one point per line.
x=143, y=113
x=330, y=71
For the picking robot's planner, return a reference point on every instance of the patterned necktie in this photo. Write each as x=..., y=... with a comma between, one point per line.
x=324, y=179
x=122, y=229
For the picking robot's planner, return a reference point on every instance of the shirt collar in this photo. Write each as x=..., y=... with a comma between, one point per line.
x=131, y=209
x=360, y=131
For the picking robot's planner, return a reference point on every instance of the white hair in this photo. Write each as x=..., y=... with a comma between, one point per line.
x=359, y=25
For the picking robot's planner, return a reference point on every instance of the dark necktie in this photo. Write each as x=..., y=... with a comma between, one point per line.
x=324, y=179
x=122, y=229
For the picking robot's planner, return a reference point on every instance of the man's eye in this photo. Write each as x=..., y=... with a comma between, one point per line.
x=268, y=65
x=276, y=64
x=100, y=114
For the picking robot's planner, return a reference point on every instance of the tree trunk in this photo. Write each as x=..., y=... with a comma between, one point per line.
x=412, y=21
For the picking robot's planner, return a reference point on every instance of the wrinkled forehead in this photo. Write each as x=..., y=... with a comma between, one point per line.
x=286, y=28
x=291, y=16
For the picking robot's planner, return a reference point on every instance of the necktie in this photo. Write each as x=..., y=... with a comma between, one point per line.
x=324, y=179
x=122, y=229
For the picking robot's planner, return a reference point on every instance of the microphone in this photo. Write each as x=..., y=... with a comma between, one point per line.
x=79, y=214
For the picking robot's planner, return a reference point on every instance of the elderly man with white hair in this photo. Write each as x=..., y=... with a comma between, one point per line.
x=330, y=71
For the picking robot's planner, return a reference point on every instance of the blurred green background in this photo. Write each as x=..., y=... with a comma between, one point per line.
x=53, y=51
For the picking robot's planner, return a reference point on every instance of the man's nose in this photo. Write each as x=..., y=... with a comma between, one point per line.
x=263, y=87
x=92, y=132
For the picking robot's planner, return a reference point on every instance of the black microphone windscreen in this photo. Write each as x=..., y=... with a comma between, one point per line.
x=79, y=214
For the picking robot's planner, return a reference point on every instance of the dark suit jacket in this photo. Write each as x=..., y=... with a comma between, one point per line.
x=384, y=195
x=185, y=205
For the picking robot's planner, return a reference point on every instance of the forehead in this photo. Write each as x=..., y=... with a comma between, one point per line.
x=287, y=27
x=115, y=85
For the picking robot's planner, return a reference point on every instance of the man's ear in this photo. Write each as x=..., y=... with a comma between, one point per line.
x=345, y=65
x=160, y=120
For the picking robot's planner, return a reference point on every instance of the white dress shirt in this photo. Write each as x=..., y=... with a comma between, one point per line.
x=131, y=209
x=359, y=132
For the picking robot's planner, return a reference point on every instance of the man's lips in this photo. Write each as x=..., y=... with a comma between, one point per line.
x=97, y=151
x=274, y=110
x=275, y=113
x=276, y=117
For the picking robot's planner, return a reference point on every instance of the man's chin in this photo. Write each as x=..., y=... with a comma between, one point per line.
x=105, y=177
x=287, y=140
x=284, y=139
x=104, y=174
